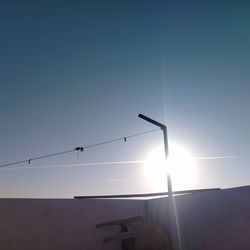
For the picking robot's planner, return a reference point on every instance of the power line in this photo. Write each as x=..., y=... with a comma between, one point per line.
x=124, y=162
x=78, y=149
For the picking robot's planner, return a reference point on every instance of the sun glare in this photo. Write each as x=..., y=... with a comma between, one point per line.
x=180, y=165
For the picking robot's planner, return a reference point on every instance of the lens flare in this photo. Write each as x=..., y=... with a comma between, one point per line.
x=180, y=165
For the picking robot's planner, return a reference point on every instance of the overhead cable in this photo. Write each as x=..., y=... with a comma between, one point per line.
x=78, y=149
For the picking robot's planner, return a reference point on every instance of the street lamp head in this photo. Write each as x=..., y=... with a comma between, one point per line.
x=160, y=125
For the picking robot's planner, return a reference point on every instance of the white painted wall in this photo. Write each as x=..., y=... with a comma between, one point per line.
x=214, y=220
x=49, y=224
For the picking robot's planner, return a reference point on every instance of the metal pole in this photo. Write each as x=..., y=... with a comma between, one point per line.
x=165, y=137
x=169, y=180
x=173, y=219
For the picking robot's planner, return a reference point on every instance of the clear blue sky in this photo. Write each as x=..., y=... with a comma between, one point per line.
x=79, y=72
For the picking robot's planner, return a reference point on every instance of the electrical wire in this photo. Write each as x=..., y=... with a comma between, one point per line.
x=78, y=149
x=89, y=164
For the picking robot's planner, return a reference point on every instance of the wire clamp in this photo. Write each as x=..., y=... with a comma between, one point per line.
x=79, y=149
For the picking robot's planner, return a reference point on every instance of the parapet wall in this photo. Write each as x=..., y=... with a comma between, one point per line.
x=212, y=220
x=70, y=224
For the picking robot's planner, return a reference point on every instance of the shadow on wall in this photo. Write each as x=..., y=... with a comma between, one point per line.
x=137, y=233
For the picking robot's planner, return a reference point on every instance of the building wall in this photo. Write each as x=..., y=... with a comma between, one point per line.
x=49, y=224
x=213, y=220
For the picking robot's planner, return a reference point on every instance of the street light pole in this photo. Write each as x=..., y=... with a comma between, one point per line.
x=165, y=137
x=175, y=236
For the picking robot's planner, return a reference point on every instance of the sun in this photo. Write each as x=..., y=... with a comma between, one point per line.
x=180, y=165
